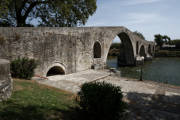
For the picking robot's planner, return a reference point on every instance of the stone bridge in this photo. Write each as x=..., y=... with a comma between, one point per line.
x=68, y=50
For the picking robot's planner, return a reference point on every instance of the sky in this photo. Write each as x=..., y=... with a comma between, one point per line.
x=149, y=17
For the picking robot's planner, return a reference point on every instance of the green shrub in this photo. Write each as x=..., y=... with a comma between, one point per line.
x=23, y=68
x=100, y=101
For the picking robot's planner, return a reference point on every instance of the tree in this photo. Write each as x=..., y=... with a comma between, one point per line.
x=167, y=39
x=116, y=46
x=139, y=34
x=159, y=40
x=3, y=7
x=4, y=12
x=54, y=13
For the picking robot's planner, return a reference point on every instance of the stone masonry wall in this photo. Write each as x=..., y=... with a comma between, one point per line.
x=71, y=48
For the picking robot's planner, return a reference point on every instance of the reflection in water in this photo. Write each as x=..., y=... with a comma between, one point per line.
x=166, y=70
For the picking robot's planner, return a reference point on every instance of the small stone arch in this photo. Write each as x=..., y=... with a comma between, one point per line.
x=97, y=50
x=56, y=69
x=137, y=47
x=142, y=51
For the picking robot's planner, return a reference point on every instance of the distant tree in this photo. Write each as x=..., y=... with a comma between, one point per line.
x=116, y=46
x=139, y=34
x=176, y=42
x=54, y=13
x=159, y=40
x=115, y=49
x=4, y=7
x=166, y=39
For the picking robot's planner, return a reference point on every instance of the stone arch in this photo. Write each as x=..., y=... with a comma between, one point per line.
x=126, y=56
x=127, y=52
x=154, y=48
x=56, y=69
x=142, y=51
x=137, y=48
x=149, y=50
x=97, y=50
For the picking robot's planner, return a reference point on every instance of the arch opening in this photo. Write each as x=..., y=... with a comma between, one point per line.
x=142, y=51
x=149, y=50
x=97, y=50
x=125, y=56
x=114, y=51
x=56, y=70
x=137, y=48
x=153, y=48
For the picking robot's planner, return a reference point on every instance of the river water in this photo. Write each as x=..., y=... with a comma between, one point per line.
x=166, y=70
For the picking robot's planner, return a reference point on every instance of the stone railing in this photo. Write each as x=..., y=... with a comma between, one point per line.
x=5, y=80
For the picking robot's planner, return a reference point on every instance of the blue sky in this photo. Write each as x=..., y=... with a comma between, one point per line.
x=146, y=16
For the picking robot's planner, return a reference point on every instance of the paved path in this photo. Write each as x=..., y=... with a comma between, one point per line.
x=72, y=82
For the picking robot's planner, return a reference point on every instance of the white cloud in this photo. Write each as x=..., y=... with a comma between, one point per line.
x=95, y=23
x=143, y=18
x=137, y=2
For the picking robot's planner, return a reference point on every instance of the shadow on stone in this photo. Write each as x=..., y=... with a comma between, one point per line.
x=154, y=107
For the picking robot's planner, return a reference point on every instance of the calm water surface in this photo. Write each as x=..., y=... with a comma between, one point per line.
x=166, y=70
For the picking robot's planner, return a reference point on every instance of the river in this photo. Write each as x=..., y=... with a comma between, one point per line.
x=166, y=70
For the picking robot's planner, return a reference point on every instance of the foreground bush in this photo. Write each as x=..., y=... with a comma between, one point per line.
x=23, y=68
x=101, y=101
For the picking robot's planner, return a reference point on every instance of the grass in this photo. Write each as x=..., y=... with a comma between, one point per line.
x=32, y=101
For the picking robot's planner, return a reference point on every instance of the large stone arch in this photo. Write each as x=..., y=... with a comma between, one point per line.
x=55, y=69
x=97, y=50
x=142, y=51
x=127, y=50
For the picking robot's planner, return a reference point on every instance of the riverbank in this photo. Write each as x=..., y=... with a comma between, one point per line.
x=167, y=53
x=161, y=69
x=73, y=82
x=145, y=86
x=146, y=100
x=149, y=100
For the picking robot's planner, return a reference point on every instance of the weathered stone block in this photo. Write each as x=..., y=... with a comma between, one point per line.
x=5, y=80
